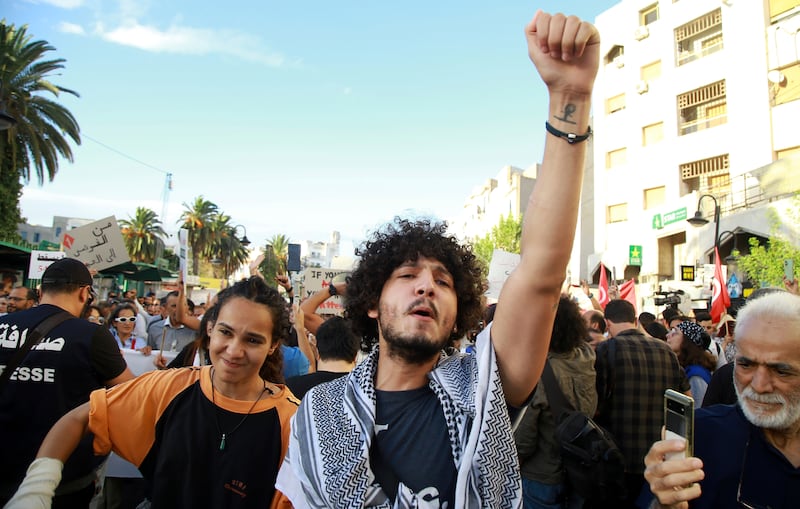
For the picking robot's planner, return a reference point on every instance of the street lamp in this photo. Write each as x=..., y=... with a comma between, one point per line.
x=698, y=220
x=245, y=241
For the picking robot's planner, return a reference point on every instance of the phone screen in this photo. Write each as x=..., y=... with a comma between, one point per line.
x=679, y=420
x=788, y=269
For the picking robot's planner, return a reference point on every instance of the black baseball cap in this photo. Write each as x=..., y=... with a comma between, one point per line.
x=67, y=271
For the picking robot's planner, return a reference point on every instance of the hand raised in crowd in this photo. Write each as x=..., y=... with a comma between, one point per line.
x=283, y=280
x=567, y=63
x=672, y=481
x=791, y=286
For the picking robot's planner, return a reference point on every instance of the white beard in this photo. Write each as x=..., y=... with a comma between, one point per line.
x=787, y=415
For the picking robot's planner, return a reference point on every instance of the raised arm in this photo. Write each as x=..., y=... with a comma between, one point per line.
x=302, y=339
x=565, y=51
x=182, y=313
x=315, y=300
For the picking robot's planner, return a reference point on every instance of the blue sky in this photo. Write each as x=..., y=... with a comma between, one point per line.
x=294, y=117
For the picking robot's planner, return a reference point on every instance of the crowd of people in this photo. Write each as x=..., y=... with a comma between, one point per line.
x=268, y=403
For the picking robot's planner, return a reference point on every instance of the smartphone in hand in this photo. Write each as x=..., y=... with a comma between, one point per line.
x=679, y=421
x=788, y=269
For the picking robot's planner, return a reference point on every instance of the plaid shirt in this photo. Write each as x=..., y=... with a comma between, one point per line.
x=643, y=369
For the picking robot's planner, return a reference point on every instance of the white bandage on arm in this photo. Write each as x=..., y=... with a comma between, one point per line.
x=39, y=485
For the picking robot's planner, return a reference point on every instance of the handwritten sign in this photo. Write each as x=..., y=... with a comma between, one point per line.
x=184, y=255
x=99, y=245
x=40, y=260
x=503, y=263
x=315, y=279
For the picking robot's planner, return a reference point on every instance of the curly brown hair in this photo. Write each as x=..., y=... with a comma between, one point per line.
x=402, y=241
x=256, y=290
x=569, y=328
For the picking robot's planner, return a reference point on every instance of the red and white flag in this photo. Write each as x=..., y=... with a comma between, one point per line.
x=720, y=300
x=627, y=291
x=602, y=288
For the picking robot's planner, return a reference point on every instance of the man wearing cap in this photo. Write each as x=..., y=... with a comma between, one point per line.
x=56, y=375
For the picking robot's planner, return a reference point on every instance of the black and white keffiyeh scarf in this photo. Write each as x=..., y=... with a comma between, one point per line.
x=327, y=464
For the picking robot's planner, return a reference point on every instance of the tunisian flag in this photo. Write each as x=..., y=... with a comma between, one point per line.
x=627, y=291
x=720, y=300
x=602, y=288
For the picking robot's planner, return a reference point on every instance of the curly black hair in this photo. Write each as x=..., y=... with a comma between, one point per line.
x=569, y=328
x=401, y=241
x=256, y=290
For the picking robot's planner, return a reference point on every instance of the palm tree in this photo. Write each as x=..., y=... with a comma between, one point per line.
x=39, y=136
x=196, y=218
x=280, y=249
x=143, y=235
x=275, y=253
x=225, y=247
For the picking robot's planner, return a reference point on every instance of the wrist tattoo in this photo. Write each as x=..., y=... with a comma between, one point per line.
x=569, y=110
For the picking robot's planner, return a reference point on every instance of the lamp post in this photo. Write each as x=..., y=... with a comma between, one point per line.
x=245, y=241
x=698, y=220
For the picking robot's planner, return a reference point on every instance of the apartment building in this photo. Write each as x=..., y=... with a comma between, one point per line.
x=695, y=106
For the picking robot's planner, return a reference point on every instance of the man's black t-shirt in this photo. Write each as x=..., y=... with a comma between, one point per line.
x=301, y=384
x=412, y=445
x=57, y=375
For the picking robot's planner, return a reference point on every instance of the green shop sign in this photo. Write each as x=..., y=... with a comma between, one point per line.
x=662, y=220
x=635, y=255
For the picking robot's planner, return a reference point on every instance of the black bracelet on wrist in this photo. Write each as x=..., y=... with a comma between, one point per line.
x=332, y=290
x=570, y=137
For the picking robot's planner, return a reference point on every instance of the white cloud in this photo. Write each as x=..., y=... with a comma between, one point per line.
x=71, y=28
x=64, y=4
x=193, y=41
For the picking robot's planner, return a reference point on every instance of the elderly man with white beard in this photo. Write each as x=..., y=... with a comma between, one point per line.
x=748, y=454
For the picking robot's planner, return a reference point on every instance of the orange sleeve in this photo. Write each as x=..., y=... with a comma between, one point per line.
x=123, y=418
x=286, y=410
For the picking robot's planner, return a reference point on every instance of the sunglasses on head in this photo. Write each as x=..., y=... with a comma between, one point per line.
x=123, y=319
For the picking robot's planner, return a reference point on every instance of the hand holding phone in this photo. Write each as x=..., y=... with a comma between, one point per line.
x=788, y=269
x=679, y=421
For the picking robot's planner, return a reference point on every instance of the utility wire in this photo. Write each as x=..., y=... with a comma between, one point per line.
x=123, y=154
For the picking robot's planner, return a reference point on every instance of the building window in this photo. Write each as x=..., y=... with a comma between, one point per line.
x=702, y=108
x=36, y=237
x=616, y=56
x=652, y=133
x=706, y=175
x=24, y=235
x=711, y=166
x=778, y=7
x=617, y=213
x=648, y=15
x=616, y=157
x=698, y=38
x=787, y=88
x=654, y=197
x=614, y=104
x=651, y=71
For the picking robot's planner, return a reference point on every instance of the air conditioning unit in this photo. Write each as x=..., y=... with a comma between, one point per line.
x=641, y=32
x=619, y=61
x=642, y=87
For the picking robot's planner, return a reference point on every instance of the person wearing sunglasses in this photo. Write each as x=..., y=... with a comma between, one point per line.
x=747, y=454
x=123, y=322
x=74, y=358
